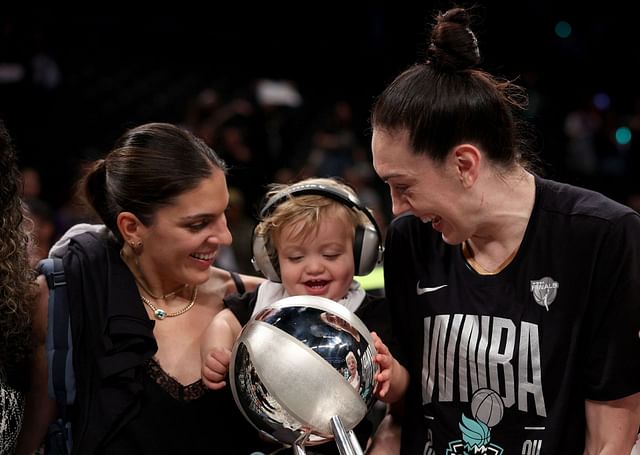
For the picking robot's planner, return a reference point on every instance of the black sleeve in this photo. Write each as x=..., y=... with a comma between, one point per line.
x=237, y=280
x=241, y=305
x=612, y=366
x=395, y=270
x=376, y=315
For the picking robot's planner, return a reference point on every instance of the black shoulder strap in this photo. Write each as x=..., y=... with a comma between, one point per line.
x=59, y=347
x=238, y=282
x=61, y=381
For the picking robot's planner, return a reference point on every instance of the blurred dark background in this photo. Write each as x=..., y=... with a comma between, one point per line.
x=284, y=91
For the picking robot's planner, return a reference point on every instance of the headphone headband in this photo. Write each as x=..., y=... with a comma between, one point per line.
x=318, y=189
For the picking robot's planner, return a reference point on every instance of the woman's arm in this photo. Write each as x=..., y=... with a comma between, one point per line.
x=612, y=426
x=40, y=410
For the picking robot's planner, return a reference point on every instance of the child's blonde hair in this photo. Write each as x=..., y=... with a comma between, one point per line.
x=305, y=211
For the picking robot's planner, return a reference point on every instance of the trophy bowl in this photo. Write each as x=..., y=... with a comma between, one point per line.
x=301, y=365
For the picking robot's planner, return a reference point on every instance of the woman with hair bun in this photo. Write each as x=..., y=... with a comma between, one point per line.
x=515, y=298
x=141, y=291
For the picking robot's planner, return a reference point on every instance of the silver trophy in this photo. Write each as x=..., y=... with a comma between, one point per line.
x=303, y=373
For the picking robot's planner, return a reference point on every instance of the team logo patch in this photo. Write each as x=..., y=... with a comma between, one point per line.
x=544, y=291
x=487, y=409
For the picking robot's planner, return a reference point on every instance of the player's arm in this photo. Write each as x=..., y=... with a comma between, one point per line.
x=612, y=426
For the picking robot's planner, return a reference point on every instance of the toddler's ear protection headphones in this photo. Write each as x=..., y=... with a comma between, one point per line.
x=367, y=242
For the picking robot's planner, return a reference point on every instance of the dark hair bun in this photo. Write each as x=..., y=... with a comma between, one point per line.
x=453, y=45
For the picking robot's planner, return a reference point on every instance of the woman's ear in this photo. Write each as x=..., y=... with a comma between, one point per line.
x=130, y=227
x=467, y=161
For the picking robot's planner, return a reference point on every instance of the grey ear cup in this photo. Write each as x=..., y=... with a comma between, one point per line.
x=261, y=260
x=367, y=243
x=367, y=249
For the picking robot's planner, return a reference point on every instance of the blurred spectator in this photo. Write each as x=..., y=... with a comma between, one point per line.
x=335, y=145
x=241, y=227
x=237, y=256
x=199, y=118
x=286, y=175
x=582, y=127
x=74, y=210
x=278, y=120
x=43, y=229
x=361, y=177
x=31, y=183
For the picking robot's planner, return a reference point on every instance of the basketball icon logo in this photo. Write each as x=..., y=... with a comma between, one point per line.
x=487, y=407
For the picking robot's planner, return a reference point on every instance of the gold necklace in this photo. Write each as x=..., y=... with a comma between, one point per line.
x=164, y=296
x=144, y=287
x=160, y=314
x=468, y=254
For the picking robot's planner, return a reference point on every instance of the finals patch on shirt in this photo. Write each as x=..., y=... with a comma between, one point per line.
x=544, y=291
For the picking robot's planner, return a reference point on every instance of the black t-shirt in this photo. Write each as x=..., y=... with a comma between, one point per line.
x=506, y=361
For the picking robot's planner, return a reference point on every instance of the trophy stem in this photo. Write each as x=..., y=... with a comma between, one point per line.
x=298, y=449
x=298, y=446
x=354, y=443
x=346, y=441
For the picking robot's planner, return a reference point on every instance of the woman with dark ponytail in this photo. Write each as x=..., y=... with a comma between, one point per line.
x=141, y=290
x=515, y=298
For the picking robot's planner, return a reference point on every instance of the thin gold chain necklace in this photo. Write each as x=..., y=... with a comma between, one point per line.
x=468, y=254
x=160, y=314
x=164, y=296
x=144, y=287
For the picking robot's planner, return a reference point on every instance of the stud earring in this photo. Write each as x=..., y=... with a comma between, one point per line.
x=136, y=246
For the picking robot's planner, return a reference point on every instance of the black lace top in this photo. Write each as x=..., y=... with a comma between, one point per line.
x=179, y=419
x=176, y=390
